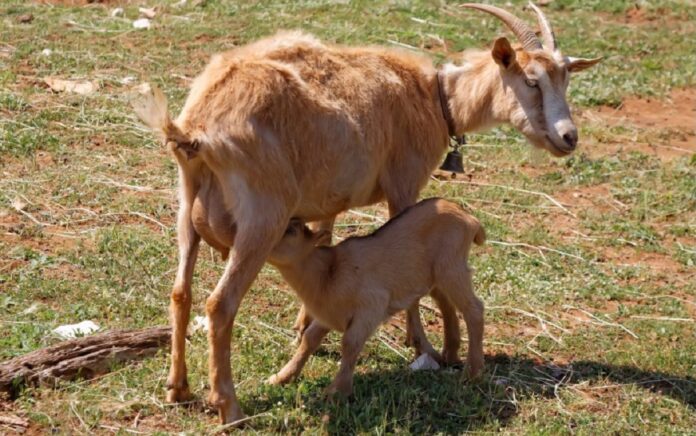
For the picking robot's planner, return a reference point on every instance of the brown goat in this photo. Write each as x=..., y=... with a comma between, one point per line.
x=289, y=127
x=356, y=285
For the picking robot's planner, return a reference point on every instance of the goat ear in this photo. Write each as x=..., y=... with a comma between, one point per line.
x=575, y=65
x=503, y=53
x=294, y=226
x=322, y=237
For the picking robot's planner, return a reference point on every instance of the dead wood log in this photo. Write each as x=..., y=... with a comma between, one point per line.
x=83, y=357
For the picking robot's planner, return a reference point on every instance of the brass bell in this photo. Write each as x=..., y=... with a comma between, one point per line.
x=453, y=162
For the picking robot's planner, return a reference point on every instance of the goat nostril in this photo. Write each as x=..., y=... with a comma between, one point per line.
x=571, y=139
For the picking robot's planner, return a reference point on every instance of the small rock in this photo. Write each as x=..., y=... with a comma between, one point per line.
x=200, y=323
x=141, y=23
x=18, y=204
x=501, y=381
x=424, y=362
x=83, y=87
x=148, y=13
x=117, y=12
x=31, y=309
x=71, y=331
x=25, y=18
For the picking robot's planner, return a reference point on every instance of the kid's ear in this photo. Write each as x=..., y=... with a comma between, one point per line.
x=503, y=53
x=294, y=226
x=322, y=237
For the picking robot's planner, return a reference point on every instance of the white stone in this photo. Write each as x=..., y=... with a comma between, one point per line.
x=71, y=331
x=424, y=362
x=141, y=23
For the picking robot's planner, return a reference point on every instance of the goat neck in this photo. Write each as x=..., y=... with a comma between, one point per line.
x=308, y=275
x=471, y=91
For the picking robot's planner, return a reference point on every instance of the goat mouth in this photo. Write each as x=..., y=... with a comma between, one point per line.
x=558, y=151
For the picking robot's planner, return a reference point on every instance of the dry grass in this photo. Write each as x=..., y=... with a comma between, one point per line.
x=589, y=281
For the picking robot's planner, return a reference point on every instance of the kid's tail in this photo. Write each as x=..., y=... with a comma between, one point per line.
x=150, y=105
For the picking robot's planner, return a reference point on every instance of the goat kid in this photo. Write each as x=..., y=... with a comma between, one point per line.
x=356, y=285
x=288, y=126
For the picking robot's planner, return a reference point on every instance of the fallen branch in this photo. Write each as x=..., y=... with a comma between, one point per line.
x=83, y=357
x=15, y=422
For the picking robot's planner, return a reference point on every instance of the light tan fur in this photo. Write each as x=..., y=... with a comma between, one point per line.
x=356, y=285
x=289, y=127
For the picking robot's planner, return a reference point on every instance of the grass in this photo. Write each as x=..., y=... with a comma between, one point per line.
x=590, y=310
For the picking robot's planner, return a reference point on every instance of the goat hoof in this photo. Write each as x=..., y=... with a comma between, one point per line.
x=335, y=392
x=229, y=412
x=450, y=358
x=277, y=380
x=437, y=357
x=178, y=395
x=232, y=419
x=475, y=369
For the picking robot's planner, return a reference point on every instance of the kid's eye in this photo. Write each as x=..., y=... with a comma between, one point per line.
x=531, y=83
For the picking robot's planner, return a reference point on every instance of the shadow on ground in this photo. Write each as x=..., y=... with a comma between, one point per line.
x=445, y=402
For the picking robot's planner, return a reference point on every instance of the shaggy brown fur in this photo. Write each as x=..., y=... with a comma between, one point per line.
x=358, y=284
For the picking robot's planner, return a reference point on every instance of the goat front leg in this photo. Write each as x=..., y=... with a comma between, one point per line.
x=311, y=339
x=417, y=335
x=180, y=306
x=303, y=320
x=255, y=239
x=352, y=344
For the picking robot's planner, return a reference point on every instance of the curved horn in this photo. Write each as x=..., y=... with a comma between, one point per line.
x=521, y=30
x=546, y=30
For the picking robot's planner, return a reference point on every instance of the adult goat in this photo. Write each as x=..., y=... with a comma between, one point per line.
x=290, y=127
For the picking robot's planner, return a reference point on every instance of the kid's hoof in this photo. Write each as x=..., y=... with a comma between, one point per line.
x=336, y=392
x=451, y=358
x=178, y=395
x=277, y=380
x=475, y=369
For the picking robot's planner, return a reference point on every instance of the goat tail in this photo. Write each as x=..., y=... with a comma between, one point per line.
x=150, y=104
x=480, y=236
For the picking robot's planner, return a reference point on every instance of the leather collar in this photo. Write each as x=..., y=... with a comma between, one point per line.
x=444, y=104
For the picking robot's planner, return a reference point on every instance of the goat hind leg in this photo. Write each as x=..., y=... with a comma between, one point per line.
x=458, y=287
x=450, y=351
x=180, y=307
x=254, y=241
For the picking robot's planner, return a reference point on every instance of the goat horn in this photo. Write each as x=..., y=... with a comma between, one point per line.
x=521, y=30
x=547, y=34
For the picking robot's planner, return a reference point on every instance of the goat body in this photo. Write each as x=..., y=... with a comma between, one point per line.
x=356, y=285
x=290, y=127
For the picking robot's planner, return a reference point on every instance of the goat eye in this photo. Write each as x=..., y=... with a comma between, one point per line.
x=531, y=83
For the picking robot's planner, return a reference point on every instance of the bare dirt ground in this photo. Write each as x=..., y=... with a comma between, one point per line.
x=677, y=114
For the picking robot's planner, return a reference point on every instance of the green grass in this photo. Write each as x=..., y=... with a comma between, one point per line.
x=590, y=310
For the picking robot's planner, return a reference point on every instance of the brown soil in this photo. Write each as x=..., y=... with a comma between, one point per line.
x=676, y=114
x=83, y=2
x=662, y=265
x=597, y=198
x=637, y=16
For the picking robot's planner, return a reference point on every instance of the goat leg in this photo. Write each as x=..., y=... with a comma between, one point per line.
x=180, y=306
